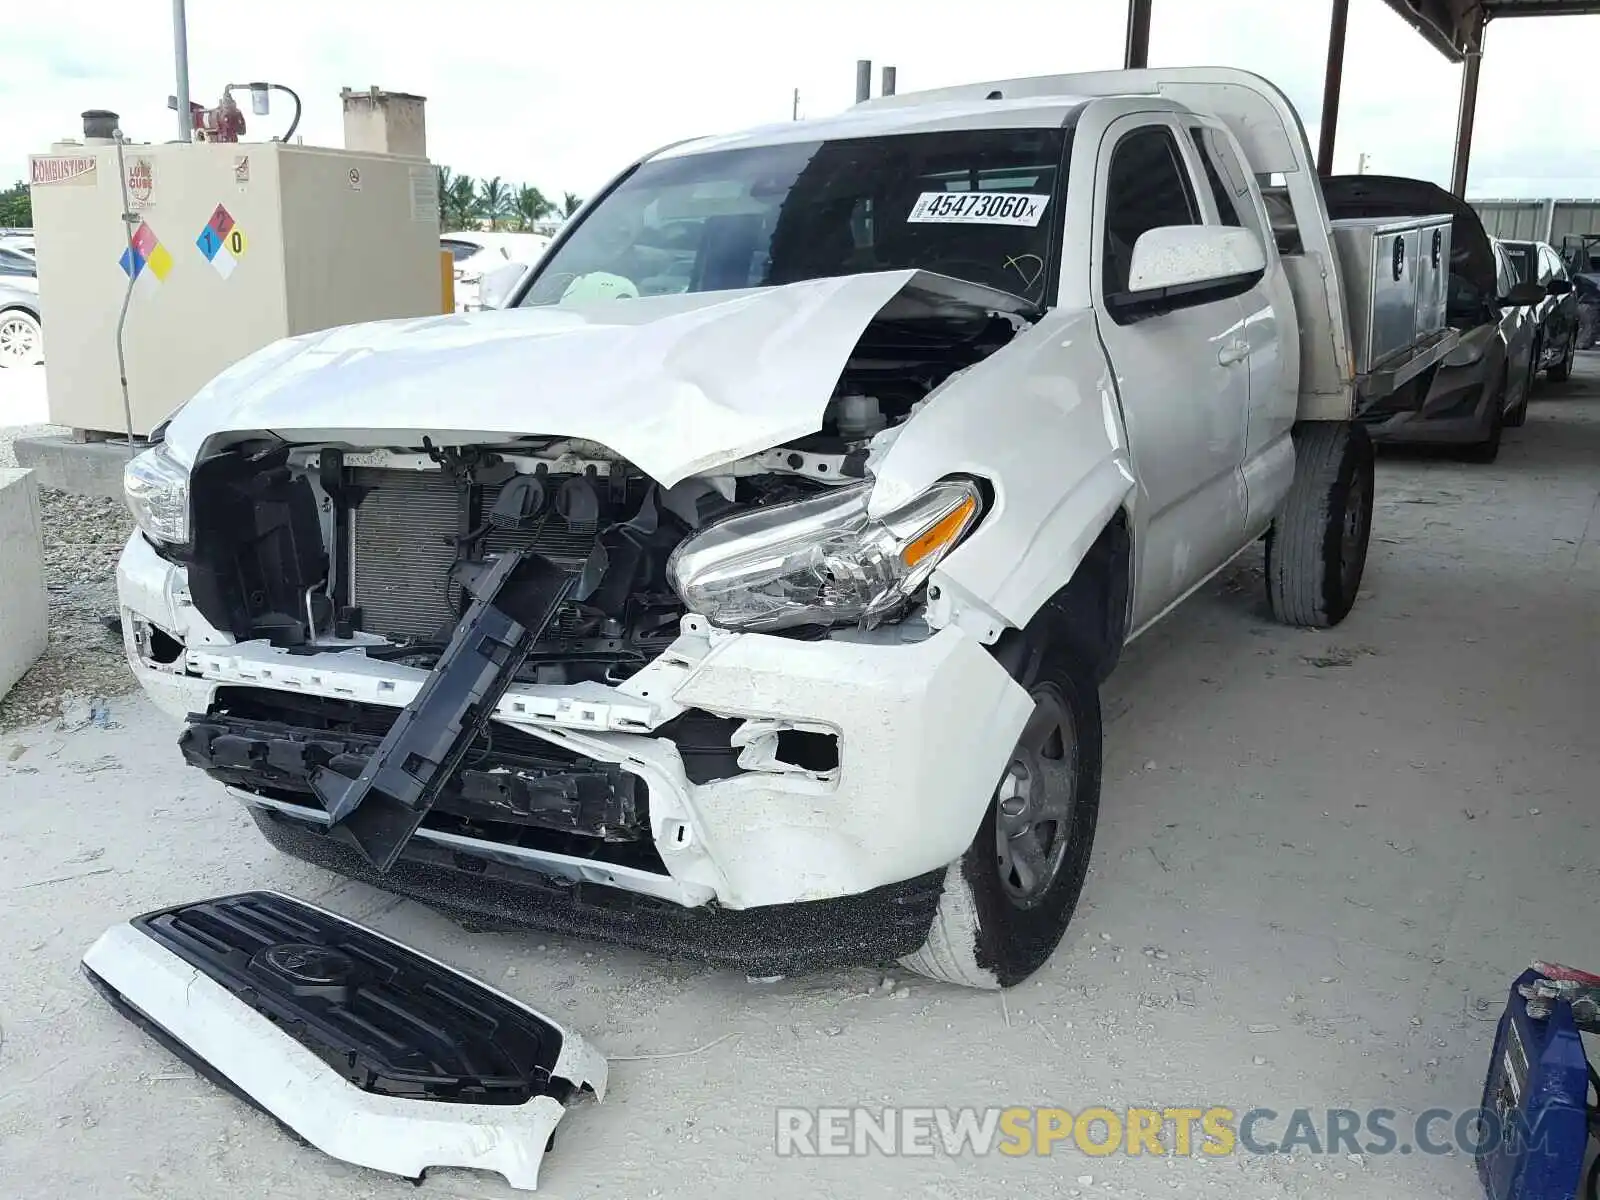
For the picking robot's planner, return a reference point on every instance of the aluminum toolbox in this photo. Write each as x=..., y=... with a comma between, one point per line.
x=1397, y=278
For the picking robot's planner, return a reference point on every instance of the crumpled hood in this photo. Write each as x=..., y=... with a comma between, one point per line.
x=675, y=384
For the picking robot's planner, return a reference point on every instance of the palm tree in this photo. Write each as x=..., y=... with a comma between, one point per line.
x=494, y=200
x=462, y=201
x=531, y=206
x=571, y=203
x=445, y=176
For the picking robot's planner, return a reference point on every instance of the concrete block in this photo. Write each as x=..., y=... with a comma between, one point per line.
x=24, y=606
x=82, y=468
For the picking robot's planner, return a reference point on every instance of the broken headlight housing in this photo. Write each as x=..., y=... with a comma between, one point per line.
x=156, y=486
x=821, y=561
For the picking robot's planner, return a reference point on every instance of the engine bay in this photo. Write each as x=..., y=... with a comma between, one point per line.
x=318, y=545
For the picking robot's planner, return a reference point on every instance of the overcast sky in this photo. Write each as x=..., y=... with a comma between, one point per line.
x=561, y=95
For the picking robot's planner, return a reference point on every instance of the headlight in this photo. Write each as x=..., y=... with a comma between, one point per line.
x=157, y=490
x=822, y=561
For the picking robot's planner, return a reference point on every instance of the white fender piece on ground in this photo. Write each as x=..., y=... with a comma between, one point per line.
x=368, y=1050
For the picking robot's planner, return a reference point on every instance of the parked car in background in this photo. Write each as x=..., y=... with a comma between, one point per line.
x=19, y=270
x=1519, y=325
x=1556, y=339
x=1483, y=384
x=21, y=328
x=477, y=252
x=1581, y=253
x=500, y=282
x=19, y=240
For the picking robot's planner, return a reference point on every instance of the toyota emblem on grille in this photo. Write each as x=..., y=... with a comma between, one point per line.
x=307, y=963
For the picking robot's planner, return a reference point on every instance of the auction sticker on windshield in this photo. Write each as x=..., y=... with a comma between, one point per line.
x=978, y=208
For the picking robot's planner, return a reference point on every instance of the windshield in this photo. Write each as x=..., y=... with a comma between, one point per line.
x=974, y=204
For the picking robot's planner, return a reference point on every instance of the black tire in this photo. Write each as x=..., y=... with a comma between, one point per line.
x=1317, y=547
x=1518, y=416
x=984, y=934
x=1562, y=371
x=1488, y=450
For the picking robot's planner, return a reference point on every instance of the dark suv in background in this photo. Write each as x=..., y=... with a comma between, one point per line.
x=1557, y=339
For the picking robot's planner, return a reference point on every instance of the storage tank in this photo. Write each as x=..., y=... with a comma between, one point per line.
x=235, y=245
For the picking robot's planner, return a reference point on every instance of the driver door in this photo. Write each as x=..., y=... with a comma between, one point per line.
x=1182, y=375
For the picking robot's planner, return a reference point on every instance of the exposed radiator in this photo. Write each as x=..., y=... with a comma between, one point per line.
x=402, y=546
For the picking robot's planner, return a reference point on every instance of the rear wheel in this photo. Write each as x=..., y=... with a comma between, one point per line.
x=1009, y=898
x=1317, y=547
x=21, y=339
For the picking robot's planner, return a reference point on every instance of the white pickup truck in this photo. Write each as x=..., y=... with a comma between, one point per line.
x=744, y=587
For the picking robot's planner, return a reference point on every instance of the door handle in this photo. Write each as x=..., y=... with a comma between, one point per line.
x=1233, y=352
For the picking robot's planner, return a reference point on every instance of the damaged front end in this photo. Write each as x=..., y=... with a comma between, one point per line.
x=531, y=654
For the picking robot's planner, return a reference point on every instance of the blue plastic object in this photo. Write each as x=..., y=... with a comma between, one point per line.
x=1536, y=1102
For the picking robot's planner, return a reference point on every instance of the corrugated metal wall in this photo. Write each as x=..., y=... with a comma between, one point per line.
x=1538, y=220
x=1575, y=216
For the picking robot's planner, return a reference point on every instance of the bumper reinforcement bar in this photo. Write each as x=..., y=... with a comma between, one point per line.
x=589, y=798
x=514, y=599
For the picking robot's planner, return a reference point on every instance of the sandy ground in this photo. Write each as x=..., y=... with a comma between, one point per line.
x=1322, y=857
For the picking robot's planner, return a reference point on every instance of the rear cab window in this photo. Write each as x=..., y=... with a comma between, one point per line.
x=1523, y=261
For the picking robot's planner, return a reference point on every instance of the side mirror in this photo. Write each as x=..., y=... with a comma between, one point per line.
x=1178, y=265
x=1523, y=295
x=498, y=284
x=1558, y=287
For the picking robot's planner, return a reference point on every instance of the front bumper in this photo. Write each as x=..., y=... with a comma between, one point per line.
x=922, y=730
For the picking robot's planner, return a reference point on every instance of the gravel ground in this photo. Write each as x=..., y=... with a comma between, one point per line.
x=83, y=535
x=1322, y=858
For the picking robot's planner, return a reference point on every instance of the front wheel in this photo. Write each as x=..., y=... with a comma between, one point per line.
x=1488, y=449
x=1317, y=546
x=1008, y=899
x=1518, y=416
x=1562, y=371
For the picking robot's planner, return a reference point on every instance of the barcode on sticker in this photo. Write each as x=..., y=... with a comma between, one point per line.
x=978, y=208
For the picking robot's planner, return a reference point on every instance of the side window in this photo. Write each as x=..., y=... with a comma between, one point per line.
x=1545, y=266
x=1280, y=213
x=1147, y=187
x=1507, y=273
x=1221, y=192
x=1552, y=268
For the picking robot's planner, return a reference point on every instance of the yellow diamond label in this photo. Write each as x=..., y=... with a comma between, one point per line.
x=160, y=262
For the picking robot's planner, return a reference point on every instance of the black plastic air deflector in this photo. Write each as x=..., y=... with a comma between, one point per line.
x=514, y=598
x=387, y=1019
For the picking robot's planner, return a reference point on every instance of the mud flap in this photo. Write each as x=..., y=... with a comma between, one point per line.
x=363, y=1048
x=514, y=598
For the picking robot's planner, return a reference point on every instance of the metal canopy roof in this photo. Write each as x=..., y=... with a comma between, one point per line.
x=1455, y=27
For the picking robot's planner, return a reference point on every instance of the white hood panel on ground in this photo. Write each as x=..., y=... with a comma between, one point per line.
x=675, y=384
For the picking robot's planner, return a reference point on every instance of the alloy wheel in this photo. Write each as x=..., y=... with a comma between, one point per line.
x=19, y=340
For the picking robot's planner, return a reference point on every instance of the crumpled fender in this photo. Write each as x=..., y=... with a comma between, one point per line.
x=1039, y=420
